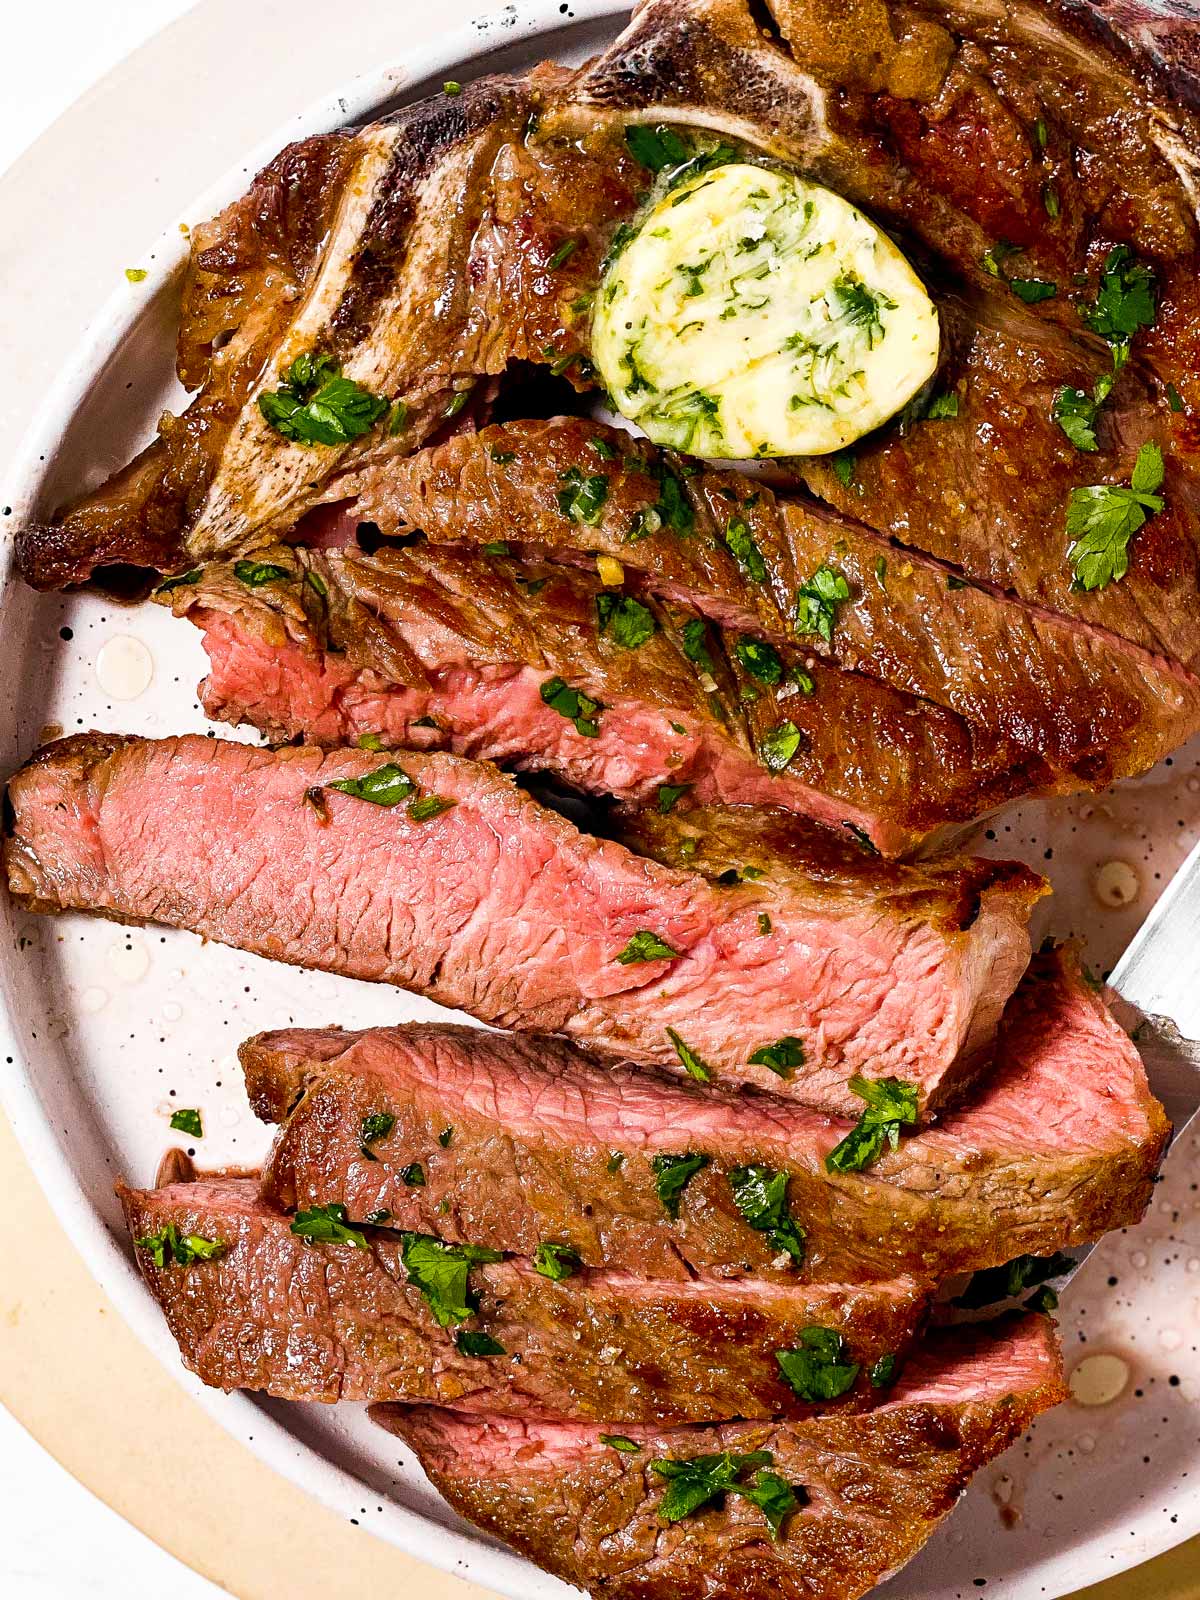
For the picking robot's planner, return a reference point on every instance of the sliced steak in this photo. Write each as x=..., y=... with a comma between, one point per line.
x=1083, y=702
x=339, y=1321
x=870, y=1490
x=435, y=647
x=520, y=1140
x=504, y=909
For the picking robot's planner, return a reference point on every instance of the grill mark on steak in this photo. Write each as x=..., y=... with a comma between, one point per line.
x=306, y=1321
x=464, y=640
x=1085, y=702
x=522, y=917
x=875, y=1487
x=1058, y=1145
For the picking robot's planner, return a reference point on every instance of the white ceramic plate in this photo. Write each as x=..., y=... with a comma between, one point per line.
x=104, y=1030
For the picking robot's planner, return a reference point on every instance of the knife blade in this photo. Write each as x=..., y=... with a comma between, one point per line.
x=1158, y=977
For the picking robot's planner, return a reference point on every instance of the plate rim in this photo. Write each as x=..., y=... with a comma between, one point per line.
x=249, y=1419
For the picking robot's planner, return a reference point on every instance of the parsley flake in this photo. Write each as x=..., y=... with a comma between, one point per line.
x=573, y=704
x=891, y=1104
x=760, y=1194
x=440, y=1270
x=474, y=1343
x=668, y=794
x=169, y=1245
x=621, y=1442
x=386, y=786
x=817, y=1369
x=626, y=621
x=759, y=658
x=1103, y=518
x=1013, y=1278
x=778, y=745
x=187, y=1121
x=744, y=550
x=693, y=1066
x=315, y=404
x=582, y=497
x=696, y=1481
x=786, y=1054
x=556, y=1261
x=817, y=602
x=646, y=946
x=328, y=1225
x=256, y=574
x=672, y=1174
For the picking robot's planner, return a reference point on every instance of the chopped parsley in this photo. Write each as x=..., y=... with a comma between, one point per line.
x=185, y=579
x=184, y=1249
x=474, y=1343
x=496, y=547
x=440, y=1270
x=646, y=946
x=668, y=794
x=564, y=252
x=671, y=510
x=672, y=1174
x=328, y=1225
x=136, y=274
x=760, y=1194
x=413, y=1175
x=693, y=1066
x=386, y=786
x=694, y=637
x=1011, y=1279
x=786, y=1054
x=759, y=658
x=842, y=466
x=659, y=148
x=1103, y=518
x=451, y=88
x=445, y=1137
x=817, y=1369
x=621, y=1442
x=1125, y=302
x=860, y=306
x=817, y=602
x=626, y=621
x=764, y=927
x=556, y=1261
x=429, y=806
x=883, y=1373
x=573, y=704
x=1076, y=413
x=1174, y=400
x=744, y=550
x=778, y=745
x=256, y=574
x=891, y=1104
x=315, y=404
x=615, y=1162
x=1033, y=290
x=582, y=496
x=187, y=1121
x=941, y=407
x=996, y=255
x=696, y=1481
x=603, y=448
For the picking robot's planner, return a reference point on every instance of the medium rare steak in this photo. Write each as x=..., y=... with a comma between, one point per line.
x=443, y=877
x=1085, y=703
x=328, y=1321
x=956, y=136
x=520, y=1140
x=868, y=1490
x=443, y=648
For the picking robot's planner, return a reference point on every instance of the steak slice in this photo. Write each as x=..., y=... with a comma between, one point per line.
x=335, y=1321
x=1084, y=702
x=520, y=1140
x=504, y=909
x=871, y=1489
x=436, y=647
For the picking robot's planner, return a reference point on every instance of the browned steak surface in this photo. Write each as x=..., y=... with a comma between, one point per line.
x=308, y=1320
x=464, y=889
x=1084, y=702
x=450, y=647
x=954, y=136
x=520, y=1140
x=870, y=1489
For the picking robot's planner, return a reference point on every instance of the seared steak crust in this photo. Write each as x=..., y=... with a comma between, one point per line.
x=320, y=1321
x=504, y=909
x=1084, y=704
x=1058, y=1145
x=874, y=1487
x=442, y=647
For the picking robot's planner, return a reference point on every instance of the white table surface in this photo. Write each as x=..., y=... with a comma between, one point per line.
x=57, y=1541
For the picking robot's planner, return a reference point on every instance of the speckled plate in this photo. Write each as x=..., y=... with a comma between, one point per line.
x=104, y=1030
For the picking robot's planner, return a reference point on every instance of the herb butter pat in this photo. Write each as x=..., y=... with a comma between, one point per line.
x=754, y=314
